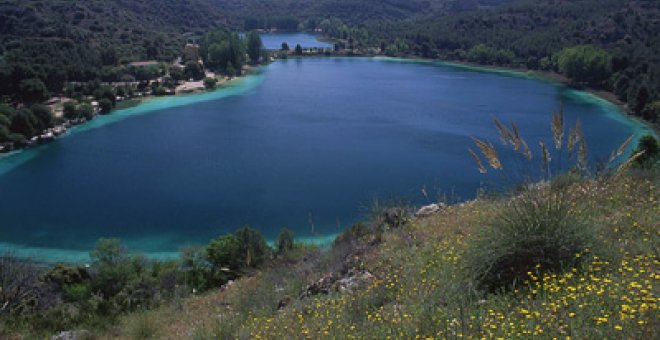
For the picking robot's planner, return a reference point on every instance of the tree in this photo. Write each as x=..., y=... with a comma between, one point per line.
x=23, y=122
x=285, y=46
x=299, y=50
x=639, y=99
x=108, y=251
x=105, y=105
x=285, y=241
x=230, y=70
x=177, y=74
x=585, y=63
x=70, y=110
x=209, y=83
x=194, y=70
x=43, y=116
x=32, y=90
x=254, y=249
x=85, y=110
x=111, y=267
x=254, y=46
x=225, y=252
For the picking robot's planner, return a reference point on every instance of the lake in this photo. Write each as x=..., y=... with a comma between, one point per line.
x=309, y=144
x=273, y=41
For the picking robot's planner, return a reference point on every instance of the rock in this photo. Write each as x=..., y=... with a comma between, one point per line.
x=322, y=286
x=71, y=335
x=430, y=209
x=331, y=283
x=354, y=281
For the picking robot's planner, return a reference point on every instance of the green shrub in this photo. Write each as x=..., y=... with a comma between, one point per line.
x=210, y=83
x=285, y=241
x=76, y=292
x=225, y=252
x=541, y=230
x=111, y=267
x=254, y=250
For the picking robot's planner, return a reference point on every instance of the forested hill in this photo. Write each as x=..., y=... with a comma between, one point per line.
x=59, y=40
x=286, y=13
x=624, y=34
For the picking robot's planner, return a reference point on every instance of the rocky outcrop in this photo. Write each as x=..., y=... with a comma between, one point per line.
x=334, y=283
x=431, y=209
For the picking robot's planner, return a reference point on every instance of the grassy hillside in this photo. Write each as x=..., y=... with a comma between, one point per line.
x=412, y=281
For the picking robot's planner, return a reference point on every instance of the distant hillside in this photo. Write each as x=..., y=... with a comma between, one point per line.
x=350, y=11
x=123, y=24
x=531, y=34
x=57, y=41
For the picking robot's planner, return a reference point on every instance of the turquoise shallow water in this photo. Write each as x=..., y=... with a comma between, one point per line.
x=301, y=143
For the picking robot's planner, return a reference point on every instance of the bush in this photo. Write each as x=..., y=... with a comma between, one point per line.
x=538, y=231
x=105, y=105
x=231, y=254
x=254, y=250
x=77, y=292
x=285, y=241
x=85, y=111
x=70, y=110
x=19, y=285
x=210, y=83
x=111, y=267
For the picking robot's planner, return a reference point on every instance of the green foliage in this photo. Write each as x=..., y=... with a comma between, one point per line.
x=285, y=46
x=69, y=110
x=85, y=111
x=536, y=232
x=254, y=46
x=225, y=252
x=253, y=247
x=32, y=90
x=210, y=83
x=298, y=50
x=105, y=105
x=77, y=292
x=651, y=156
x=488, y=55
x=585, y=64
x=194, y=70
x=222, y=49
x=285, y=241
x=111, y=270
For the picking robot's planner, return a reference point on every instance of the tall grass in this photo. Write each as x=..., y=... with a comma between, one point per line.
x=540, y=230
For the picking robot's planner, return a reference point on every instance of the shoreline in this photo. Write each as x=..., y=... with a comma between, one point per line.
x=51, y=256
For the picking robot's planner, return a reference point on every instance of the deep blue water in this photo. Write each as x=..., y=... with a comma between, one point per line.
x=273, y=41
x=317, y=138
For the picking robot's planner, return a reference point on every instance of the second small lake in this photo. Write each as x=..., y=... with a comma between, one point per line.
x=273, y=41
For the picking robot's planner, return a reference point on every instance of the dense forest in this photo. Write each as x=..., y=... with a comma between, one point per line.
x=53, y=47
x=287, y=14
x=624, y=36
x=52, y=42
